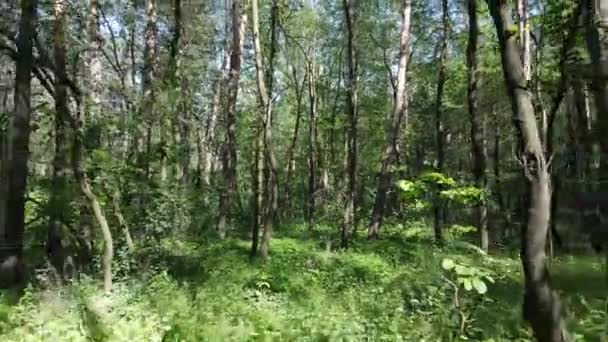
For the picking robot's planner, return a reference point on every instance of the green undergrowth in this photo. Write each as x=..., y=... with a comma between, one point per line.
x=394, y=289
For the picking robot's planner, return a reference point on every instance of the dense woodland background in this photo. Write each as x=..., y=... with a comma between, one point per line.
x=303, y=170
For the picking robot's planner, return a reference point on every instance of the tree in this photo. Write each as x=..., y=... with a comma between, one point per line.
x=542, y=307
x=59, y=189
x=265, y=82
x=351, y=80
x=148, y=79
x=229, y=156
x=439, y=120
x=399, y=112
x=11, y=233
x=478, y=147
x=595, y=17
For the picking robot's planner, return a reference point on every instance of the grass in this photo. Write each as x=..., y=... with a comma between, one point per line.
x=393, y=290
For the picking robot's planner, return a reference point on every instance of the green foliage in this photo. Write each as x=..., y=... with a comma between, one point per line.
x=421, y=190
x=399, y=288
x=468, y=276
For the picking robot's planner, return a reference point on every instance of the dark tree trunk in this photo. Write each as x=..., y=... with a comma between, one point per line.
x=11, y=234
x=59, y=198
x=597, y=44
x=542, y=307
x=477, y=133
x=313, y=161
x=438, y=206
x=257, y=181
x=569, y=40
x=229, y=156
x=270, y=172
x=351, y=110
x=181, y=120
x=400, y=107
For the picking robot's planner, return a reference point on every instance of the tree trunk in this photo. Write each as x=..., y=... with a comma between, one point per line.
x=597, y=44
x=121, y=221
x=209, y=136
x=11, y=233
x=148, y=79
x=477, y=135
x=400, y=107
x=542, y=307
x=63, y=118
x=524, y=36
x=59, y=198
x=229, y=156
x=569, y=40
x=258, y=180
x=313, y=161
x=438, y=206
x=351, y=110
x=265, y=81
x=299, y=89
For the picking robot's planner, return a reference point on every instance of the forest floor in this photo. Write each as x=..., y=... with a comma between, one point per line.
x=400, y=288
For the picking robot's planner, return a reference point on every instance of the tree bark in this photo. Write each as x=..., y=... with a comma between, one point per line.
x=438, y=206
x=400, y=107
x=542, y=307
x=524, y=36
x=11, y=233
x=229, y=156
x=351, y=110
x=476, y=120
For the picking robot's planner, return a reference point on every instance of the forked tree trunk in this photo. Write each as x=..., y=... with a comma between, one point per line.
x=438, y=205
x=542, y=307
x=265, y=81
x=351, y=111
x=229, y=156
x=400, y=107
x=476, y=120
x=11, y=233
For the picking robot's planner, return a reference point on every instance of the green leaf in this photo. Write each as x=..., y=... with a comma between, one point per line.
x=467, y=284
x=480, y=286
x=462, y=270
x=447, y=264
